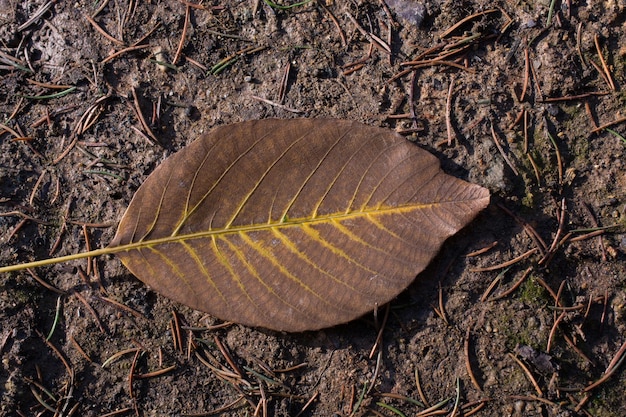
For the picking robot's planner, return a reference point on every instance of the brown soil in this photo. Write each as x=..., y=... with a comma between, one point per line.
x=565, y=323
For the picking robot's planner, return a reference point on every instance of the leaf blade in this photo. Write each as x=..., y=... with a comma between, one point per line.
x=292, y=224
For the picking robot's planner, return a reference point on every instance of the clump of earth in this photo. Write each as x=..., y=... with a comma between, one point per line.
x=521, y=314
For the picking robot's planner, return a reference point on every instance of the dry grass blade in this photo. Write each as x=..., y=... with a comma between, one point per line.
x=308, y=403
x=507, y=263
x=526, y=73
x=607, y=73
x=332, y=17
x=43, y=9
x=532, y=233
x=156, y=373
x=609, y=124
x=419, y=388
x=80, y=349
x=182, y=36
x=449, y=128
x=616, y=362
x=59, y=355
x=276, y=104
x=91, y=311
x=10, y=130
x=13, y=63
x=120, y=305
x=221, y=410
x=104, y=33
x=229, y=60
x=379, y=336
x=515, y=286
x=465, y=20
x=482, y=250
x=468, y=364
x=282, y=90
x=379, y=43
x=501, y=150
x=529, y=374
x=117, y=412
x=118, y=355
x=123, y=51
x=553, y=331
x=559, y=160
x=227, y=356
x=534, y=398
x=491, y=286
x=44, y=283
x=440, y=310
x=434, y=410
x=176, y=333
x=141, y=118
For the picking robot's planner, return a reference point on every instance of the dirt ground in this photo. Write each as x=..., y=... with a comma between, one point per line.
x=523, y=313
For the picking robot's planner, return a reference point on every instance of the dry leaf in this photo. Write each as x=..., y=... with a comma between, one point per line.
x=292, y=224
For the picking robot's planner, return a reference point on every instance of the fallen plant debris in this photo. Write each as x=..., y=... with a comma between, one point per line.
x=547, y=77
x=278, y=223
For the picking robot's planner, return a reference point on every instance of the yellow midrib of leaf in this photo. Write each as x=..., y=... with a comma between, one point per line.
x=221, y=232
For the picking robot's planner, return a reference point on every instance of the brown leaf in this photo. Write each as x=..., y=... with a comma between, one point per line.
x=292, y=224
